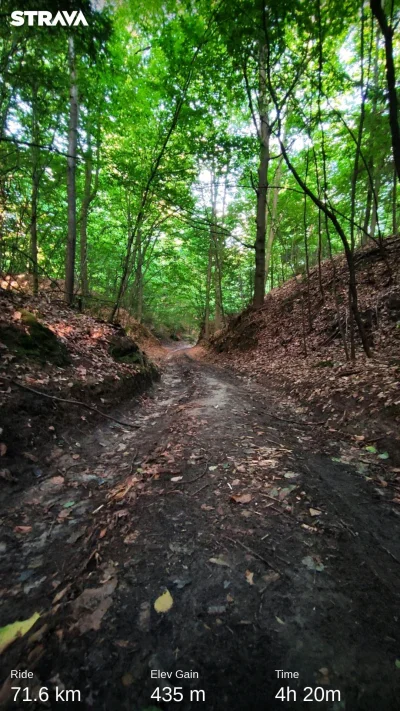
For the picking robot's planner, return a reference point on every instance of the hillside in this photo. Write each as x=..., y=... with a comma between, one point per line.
x=46, y=350
x=275, y=345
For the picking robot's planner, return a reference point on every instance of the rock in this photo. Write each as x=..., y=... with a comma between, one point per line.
x=125, y=350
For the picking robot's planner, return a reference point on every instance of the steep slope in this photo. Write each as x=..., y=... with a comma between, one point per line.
x=294, y=343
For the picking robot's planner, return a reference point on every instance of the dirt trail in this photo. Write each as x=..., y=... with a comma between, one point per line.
x=258, y=584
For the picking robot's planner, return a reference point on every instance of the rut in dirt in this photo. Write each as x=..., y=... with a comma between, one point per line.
x=274, y=558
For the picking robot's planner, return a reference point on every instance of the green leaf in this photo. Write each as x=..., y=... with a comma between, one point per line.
x=397, y=663
x=69, y=504
x=10, y=633
x=371, y=449
x=383, y=455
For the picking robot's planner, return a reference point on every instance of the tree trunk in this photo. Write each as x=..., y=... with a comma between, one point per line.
x=262, y=188
x=71, y=175
x=394, y=203
x=364, y=237
x=208, y=293
x=34, y=193
x=272, y=218
x=349, y=254
x=84, y=217
x=89, y=194
x=374, y=219
x=388, y=32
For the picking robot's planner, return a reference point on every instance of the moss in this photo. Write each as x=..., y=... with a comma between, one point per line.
x=38, y=342
x=28, y=318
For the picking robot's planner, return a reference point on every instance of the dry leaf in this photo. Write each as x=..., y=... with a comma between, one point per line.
x=23, y=529
x=241, y=498
x=3, y=449
x=164, y=602
x=250, y=577
x=220, y=560
x=315, y=512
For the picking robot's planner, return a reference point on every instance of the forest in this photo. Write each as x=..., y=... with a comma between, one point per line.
x=199, y=355
x=180, y=160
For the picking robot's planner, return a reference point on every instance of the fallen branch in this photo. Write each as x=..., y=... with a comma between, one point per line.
x=256, y=555
x=191, y=481
x=75, y=402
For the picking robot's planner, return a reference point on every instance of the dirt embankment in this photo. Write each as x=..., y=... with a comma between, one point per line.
x=46, y=350
x=294, y=344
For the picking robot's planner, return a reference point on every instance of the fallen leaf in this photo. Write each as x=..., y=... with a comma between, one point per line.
x=205, y=507
x=315, y=512
x=177, y=478
x=220, y=560
x=371, y=449
x=23, y=529
x=10, y=633
x=250, y=577
x=383, y=455
x=164, y=602
x=313, y=563
x=131, y=537
x=241, y=498
x=271, y=577
x=61, y=594
x=312, y=529
x=30, y=456
x=3, y=449
x=278, y=619
x=102, y=533
x=98, y=601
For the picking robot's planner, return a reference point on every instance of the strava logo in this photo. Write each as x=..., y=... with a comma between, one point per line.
x=45, y=18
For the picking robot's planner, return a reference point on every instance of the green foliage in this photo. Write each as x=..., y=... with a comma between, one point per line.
x=168, y=152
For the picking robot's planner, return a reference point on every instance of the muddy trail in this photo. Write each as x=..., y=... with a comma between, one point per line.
x=274, y=556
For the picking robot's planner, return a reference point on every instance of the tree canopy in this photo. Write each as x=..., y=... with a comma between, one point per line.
x=180, y=159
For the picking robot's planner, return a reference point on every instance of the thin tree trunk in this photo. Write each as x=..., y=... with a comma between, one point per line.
x=208, y=294
x=388, y=32
x=89, y=194
x=367, y=216
x=71, y=175
x=272, y=217
x=34, y=192
x=394, y=203
x=262, y=188
x=84, y=217
x=348, y=253
x=374, y=219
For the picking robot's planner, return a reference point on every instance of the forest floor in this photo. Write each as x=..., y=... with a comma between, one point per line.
x=279, y=548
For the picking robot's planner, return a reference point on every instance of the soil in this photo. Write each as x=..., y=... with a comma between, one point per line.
x=300, y=572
